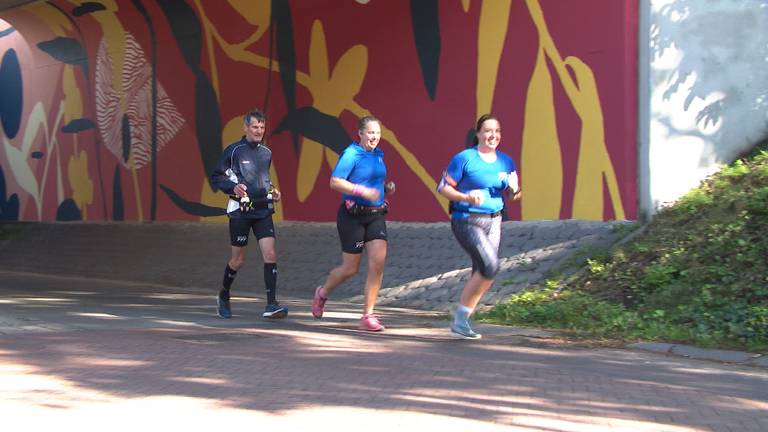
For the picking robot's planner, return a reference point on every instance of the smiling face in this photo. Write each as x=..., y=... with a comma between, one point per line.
x=254, y=130
x=370, y=135
x=489, y=135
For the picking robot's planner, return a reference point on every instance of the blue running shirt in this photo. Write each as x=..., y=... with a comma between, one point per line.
x=362, y=167
x=472, y=173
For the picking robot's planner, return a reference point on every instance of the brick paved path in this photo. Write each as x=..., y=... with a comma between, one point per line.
x=85, y=354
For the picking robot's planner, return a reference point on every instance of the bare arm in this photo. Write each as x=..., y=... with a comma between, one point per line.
x=514, y=191
x=514, y=196
x=447, y=189
x=347, y=187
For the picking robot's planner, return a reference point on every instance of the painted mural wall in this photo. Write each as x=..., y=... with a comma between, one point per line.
x=119, y=109
x=704, y=95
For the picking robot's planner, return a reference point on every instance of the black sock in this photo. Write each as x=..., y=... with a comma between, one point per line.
x=229, y=277
x=270, y=282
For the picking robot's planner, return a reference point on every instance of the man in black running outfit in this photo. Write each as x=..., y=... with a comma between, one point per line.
x=243, y=173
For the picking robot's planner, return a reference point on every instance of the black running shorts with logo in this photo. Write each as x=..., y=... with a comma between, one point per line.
x=240, y=227
x=355, y=231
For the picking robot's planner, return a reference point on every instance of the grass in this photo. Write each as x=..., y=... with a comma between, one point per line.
x=698, y=274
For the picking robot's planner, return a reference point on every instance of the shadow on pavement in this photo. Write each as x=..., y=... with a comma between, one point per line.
x=100, y=343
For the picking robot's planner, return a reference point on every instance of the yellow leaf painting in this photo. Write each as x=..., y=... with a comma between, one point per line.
x=541, y=161
x=73, y=99
x=256, y=12
x=494, y=21
x=80, y=181
x=331, y=93
x=594, y=162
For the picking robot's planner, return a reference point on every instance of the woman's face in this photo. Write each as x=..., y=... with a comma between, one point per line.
x=370, y=136
x=489, y=135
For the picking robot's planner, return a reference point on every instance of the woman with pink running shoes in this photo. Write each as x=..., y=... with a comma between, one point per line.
x=359, y=176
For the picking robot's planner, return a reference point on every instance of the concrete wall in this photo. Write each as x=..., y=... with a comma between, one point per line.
x=703, y=91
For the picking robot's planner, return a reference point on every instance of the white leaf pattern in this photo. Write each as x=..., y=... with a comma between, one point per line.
x=134, y=98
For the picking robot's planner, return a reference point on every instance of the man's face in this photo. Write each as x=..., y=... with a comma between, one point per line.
x=254, y=131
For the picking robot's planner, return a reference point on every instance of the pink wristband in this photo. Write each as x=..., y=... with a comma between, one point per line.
x=357, y=190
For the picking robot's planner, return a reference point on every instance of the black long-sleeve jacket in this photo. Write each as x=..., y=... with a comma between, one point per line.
x=247, y=163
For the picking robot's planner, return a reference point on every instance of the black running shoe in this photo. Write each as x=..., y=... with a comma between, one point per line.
x=274, y=310
x=222, y=307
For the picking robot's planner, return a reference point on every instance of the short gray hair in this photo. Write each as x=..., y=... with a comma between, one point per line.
x=254, y=114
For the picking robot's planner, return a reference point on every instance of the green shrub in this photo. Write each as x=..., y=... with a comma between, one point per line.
x=697, y=274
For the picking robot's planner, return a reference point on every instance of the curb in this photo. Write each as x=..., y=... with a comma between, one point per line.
x=724, y=356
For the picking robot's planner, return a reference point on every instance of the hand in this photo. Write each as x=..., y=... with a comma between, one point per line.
x=371, y=194
x=474, y=198
x=517, y=195
x=276, y=195
x=240, y=190
x=389, y=188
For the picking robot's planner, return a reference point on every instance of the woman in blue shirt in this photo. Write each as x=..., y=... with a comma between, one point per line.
x=475, y=180
x=359, y=176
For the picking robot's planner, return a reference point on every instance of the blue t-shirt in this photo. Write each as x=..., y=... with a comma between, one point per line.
x=472, y=173
x=362, y=167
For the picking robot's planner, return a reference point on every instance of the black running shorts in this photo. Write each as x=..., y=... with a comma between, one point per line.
x=240, y=227
x=355, y=231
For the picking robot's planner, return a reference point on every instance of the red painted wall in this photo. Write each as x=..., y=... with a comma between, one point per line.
x=426, y=69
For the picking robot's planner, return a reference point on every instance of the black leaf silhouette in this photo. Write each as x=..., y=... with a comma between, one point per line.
x=317, y=126
x=68, y=211
x=426, y=32
x=78, y=125
x=208, y=121
x=9, y=209
x=118, y=212
x=187, y=32
x=186, y=29
x=126, y=135
x=12, y=100
x=190, y=207
x=88, y=7
x=66, y=50
x=286, y=56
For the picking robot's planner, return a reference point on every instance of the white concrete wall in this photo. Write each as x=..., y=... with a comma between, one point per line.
x=703, y=86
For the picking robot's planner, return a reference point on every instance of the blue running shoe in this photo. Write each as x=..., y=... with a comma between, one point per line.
x=274, y=310
x=222, y=307
x=462, y=330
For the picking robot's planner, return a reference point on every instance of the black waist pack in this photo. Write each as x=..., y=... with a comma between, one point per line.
x=355, y=209
x=252, y=205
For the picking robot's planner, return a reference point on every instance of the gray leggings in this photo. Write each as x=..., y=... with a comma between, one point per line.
x=480, y=237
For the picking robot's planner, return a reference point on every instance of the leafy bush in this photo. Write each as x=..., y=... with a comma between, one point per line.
x=698, y=274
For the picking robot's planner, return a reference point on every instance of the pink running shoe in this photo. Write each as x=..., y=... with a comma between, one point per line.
x=318, y=303
x=370, y=322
